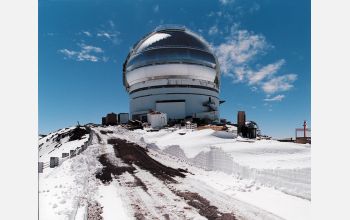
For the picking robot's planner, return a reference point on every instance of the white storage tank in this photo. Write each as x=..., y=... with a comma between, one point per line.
x=157, y=119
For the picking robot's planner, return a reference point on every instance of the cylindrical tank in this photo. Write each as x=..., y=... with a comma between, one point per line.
x=172, y=70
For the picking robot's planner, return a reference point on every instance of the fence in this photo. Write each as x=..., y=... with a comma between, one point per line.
x=56, y=161
x=191, y=125
x=305, y=136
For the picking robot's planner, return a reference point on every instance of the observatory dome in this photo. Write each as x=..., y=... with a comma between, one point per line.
x=172, y=70
x=172, y=46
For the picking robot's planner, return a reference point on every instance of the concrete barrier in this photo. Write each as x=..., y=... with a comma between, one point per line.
x=40, y=167
x=65, y=155
x=72, y=153
x=77, y=150
x=54, y=162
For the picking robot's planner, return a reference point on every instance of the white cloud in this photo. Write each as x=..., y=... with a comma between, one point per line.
x=87, y=33
x=225, y=2
x=239, y=73
x=254, y=89
x=89, y=48
x=275, y=98
x=238, y=55
x=113, y=36
x=87, y=57
x=104, y=34
x=86, y=53
x=268, y=70
x=239, y=48
x=280, y=83
x=213, y=30
x=211, y=14
x=255, y=7
x=156, y=8
x=68, y=53
x=111, y=23
x=108, y=32
x=105, y=59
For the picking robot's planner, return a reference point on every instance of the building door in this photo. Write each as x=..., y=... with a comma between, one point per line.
x=173, y=109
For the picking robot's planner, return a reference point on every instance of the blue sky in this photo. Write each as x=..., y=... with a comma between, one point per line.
x=263, y=48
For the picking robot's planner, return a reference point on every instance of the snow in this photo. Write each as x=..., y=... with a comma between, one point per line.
x=246, y=191
x=286, y=166
x=260, y=179
x=291, y=208
x=279, y=203
x=50, y=148
x=65, y=190
x=112, y=203
x=260, y=154
x=203, y=140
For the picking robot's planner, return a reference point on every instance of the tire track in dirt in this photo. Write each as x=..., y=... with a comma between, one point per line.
x=135, y=174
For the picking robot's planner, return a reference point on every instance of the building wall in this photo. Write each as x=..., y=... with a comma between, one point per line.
x=145, y=100
x=123, y=118
x=176, y=109
x=111, y=119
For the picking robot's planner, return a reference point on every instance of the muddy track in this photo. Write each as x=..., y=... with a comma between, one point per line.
x=110, y=169
x=94, y=211
x=132, y=153
x=130, y=177
x=203, y=205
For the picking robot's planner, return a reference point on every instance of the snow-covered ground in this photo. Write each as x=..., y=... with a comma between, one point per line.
x=254, y=180
x=286, y=166
x=54, y=144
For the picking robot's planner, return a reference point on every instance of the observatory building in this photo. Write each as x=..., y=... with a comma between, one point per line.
x=172, y=70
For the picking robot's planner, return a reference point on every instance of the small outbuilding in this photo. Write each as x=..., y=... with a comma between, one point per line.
x=111, y=119
x=252, y=129
x=246, y=129
x=157, y=119
x=123, y=118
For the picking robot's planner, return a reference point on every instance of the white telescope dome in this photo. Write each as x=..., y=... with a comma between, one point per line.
x=170, y=53
x=174, y=71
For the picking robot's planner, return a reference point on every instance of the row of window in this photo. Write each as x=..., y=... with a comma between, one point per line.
x=171, y=55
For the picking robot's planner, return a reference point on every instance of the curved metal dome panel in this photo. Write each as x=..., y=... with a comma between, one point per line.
x=171, y=38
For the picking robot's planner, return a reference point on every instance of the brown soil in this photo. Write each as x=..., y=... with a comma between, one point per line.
x=105, y=175
x=94, y=211
x=138, y=182
x=214, y=127
x=205, y=209
x=132, y=153
x=139, y=216
x=76, y=134
x=106, y=132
